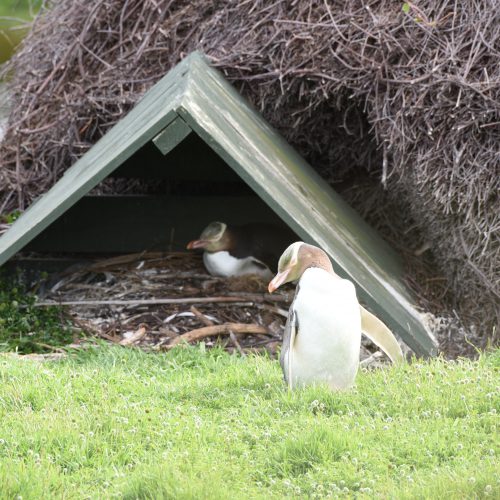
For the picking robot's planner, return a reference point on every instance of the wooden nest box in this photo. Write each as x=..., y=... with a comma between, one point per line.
x=193, y=127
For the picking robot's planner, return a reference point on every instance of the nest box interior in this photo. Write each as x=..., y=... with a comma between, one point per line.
x=186, y=188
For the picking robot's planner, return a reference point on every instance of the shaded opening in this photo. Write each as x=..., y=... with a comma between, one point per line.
x=164, y=202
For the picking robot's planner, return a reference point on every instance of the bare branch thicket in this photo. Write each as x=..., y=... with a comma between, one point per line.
x=400, y=112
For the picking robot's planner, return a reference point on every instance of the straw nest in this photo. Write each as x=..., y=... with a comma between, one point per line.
x=396, y=105
x=160, y=300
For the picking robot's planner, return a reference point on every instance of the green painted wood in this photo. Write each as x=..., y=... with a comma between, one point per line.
x=172, y=135
x=155, y=111
x=217, y=113
x=144, y=223
x=214, y=110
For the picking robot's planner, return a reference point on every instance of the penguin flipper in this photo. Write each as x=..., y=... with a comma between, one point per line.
x=291, y=331
x=380, y=335
x=294, y=329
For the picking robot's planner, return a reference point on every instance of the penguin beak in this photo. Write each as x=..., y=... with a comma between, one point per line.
x=196, y=244
x=278, y=280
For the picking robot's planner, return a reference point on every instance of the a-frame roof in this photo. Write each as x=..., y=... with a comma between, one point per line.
x=193, y=97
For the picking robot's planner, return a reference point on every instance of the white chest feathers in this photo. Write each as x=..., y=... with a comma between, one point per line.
x=225, y=265
x=328, y=333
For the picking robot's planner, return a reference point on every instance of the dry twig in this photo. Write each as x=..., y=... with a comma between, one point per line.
x=225, y=329
x=135, y=337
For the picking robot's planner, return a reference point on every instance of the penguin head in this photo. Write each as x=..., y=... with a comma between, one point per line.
x=212, y=239
x=298, y=257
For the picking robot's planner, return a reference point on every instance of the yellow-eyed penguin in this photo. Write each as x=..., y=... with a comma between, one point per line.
x=322, y=339
x=238, y=250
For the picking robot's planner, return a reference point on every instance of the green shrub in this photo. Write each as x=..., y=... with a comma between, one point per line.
x=26, y=328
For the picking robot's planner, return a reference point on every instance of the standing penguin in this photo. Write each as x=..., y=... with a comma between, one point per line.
x=239, y=250
x=322, y=338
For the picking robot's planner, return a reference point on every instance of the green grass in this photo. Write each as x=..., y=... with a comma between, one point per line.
x=192, y=423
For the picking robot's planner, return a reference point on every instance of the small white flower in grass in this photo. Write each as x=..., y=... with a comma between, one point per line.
x=472, y=480
x=460, y=446
x=488, y=489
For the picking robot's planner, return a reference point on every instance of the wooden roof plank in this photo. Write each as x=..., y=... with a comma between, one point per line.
x=155, y=111
x=302, y=198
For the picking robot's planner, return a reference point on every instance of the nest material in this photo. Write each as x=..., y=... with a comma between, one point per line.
x=159, y=300
x=370, y=93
